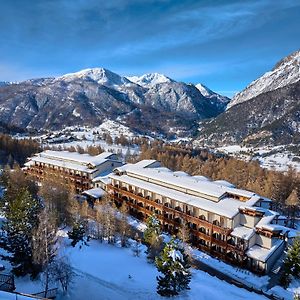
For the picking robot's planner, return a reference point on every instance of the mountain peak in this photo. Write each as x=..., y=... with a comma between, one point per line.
x=213, y=96
x=150, y=79
x=285, y=72
x=204, y=90
x=100, y=75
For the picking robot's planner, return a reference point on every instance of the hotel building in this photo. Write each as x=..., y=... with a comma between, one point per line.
x=77, y=169
x=232, y=224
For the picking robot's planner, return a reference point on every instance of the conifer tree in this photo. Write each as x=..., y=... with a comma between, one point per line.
x=173, y=264
x=21, y=218
x=152, y=231
x=152, y=238
x=291, y=266
x=77, y=234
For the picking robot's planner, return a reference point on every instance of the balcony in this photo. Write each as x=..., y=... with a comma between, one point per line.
x=177, y=213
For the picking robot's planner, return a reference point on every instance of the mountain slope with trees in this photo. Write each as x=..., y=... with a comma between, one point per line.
x=90, y=96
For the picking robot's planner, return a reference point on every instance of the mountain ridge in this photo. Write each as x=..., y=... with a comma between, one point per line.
x=89, y=96
x=285, y=72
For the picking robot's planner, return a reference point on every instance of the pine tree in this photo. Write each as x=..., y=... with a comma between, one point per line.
x=78, y=234
x=173, y=264
x=152, y=238
x=152, y=231
x=291, y=266
x=21, y=218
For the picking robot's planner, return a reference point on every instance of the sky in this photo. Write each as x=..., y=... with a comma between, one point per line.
x=222, y=44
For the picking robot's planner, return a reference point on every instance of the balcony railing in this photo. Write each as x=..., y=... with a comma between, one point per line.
x=199, y=222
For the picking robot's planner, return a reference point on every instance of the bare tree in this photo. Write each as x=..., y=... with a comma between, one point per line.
x=137, y=246
x=62, y=272
x=44, y=245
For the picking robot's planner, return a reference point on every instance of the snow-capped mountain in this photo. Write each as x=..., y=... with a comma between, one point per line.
x=4, y=83
x=100, y=75
x=285, y=72
x=151, y=79
x=213, y=96
x=266, y=112
x=159, y=105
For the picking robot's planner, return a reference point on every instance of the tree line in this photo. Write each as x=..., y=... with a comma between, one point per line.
x=16, y=150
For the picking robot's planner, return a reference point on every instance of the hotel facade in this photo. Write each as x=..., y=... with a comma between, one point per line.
x=232, y=224
x=77, y=169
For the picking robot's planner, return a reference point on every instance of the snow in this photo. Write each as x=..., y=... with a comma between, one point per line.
x=225, y=183
x=287, y=72
x=243, y=232
x=76, y=157
x=109, y=272
x=262, y=254
x=176, y=255
x=95, y=193
x=11, y=296
x=71, y=160
x=247, y=277
x=227, y=207
x=189, y=184
x=277, y=157
x=148, y=80
x=75, y=113
x=100, y=75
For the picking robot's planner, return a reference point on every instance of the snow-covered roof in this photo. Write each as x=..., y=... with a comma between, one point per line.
x=76, y=157
x=61, y=163
x=243, y=232
x=225, y=183
x=201, y=177
x=103, y=179
x=71, y=160
x=189, y=183
x=227, y=207
x=181, y=174
x=262, y=254
x=95, y=193
x=268, y=217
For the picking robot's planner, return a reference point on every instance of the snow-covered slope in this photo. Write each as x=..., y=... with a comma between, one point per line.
x=208, y=93
x=286, y=72
x=148, y=80
x=100, y=75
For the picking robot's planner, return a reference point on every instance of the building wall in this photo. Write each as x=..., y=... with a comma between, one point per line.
x=248, y=221
x=264, y=241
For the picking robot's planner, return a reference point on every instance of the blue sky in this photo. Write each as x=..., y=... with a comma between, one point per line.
x=223, y=44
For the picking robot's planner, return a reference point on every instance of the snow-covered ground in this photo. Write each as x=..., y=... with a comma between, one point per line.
x=105, y=271
x=110, y=272
x=277, y=158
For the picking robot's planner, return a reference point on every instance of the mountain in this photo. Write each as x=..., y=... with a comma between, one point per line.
x=285, y=72
x=214, y=97
x=261, y=117
x=3, y=83
x=157, y=105
x=151, y=79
